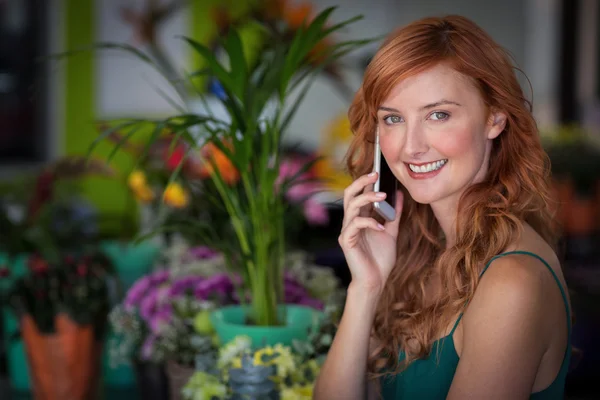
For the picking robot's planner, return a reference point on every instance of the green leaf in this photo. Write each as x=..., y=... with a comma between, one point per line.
x=107, y=133
x=215, y=67
x=122, y=142
x=307, y=40
x=237, y=63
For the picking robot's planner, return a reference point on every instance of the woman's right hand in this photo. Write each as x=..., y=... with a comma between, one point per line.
x=369, y=248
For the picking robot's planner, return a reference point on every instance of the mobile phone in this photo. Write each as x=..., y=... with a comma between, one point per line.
x=386, y=182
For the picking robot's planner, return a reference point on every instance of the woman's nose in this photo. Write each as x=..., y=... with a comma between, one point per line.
x=415, y=143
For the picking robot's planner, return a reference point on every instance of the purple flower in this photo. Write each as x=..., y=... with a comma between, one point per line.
x=147, y=347
x=160, y=318
x=199, y=253
x=220, y=283
x=159, y=277
x=148, y=305
x=310, y=302
x=182, y=285
x=136, y=292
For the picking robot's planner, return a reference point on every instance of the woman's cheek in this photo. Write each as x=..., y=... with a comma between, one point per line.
x=455, y=143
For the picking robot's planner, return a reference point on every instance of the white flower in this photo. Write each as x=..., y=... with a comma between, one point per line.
x=232, y=350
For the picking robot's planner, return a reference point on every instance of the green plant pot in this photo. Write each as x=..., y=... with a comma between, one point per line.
x=230, y=322
x=16, y=360
x=131, y=262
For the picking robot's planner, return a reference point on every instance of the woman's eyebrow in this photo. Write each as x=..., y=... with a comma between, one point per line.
x=425, y=107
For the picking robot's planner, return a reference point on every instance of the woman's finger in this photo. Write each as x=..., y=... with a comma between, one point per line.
x=358, y=187
x=349, y=236
x=391, y=227
x=359, y=205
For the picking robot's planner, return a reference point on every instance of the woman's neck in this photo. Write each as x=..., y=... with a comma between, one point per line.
x=445, y=212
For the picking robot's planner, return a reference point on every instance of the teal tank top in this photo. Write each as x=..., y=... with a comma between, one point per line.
x=430, y=378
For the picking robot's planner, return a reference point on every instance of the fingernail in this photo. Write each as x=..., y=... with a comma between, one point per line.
x=372, y=174
x=381, y=195
x=381, y=227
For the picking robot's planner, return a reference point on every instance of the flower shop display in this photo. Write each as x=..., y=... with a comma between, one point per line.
x=165, y=318
x=240, y=156
x=242, y=371
x=57, y=282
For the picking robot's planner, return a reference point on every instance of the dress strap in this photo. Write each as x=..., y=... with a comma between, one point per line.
x=560, y=286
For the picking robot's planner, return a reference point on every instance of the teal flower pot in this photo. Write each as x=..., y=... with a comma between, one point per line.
x=131, y=262
x=16, y=358
x=231, y=321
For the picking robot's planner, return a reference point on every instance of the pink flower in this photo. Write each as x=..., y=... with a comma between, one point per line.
x=316, y=213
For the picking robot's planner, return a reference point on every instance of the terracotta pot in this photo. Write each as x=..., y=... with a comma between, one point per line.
x=178, y=376
x=64, y=365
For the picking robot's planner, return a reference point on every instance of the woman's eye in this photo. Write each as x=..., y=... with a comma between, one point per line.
x=392, y=119
x=439, y=116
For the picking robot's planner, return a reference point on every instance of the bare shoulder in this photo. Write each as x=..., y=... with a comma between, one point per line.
x=514, y=330
x=518, y=302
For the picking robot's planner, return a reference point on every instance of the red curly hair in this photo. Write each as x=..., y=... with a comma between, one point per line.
x=490, y=213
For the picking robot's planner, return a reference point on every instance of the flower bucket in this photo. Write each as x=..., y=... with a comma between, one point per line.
x=178, y=376
x=231, y=321
x=151, y=381
x=64, y=365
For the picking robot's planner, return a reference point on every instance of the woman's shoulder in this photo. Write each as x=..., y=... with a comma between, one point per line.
x=520, y=288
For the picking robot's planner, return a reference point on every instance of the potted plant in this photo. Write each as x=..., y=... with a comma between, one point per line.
x=56, y=279
x=256, y=99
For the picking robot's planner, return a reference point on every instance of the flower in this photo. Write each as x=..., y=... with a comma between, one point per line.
x=203, y=386
x=211, y=154
x=175, y=195
x=138, y=185
x=278, y=355
x=174, y=158
x=315, y=212
x=297, y=392
x=233, y=349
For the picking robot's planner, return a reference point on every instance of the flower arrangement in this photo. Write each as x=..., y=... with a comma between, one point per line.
x=255, y=96
x=165, y=314
x=43, y=221
x=269, y=372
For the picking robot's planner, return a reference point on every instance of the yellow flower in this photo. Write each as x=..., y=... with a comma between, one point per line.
x=175, y=195
x=138, y=185
x=236, y=362
x=137, y=180
x=264, y=353
x=297, y=392
x=144, y=194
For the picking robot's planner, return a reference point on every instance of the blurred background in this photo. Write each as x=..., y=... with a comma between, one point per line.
x=52, y=110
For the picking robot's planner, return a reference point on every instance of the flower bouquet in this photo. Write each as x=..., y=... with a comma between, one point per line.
x=255, y=102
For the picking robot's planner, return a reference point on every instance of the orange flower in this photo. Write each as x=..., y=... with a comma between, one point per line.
x=297, y=15
x=211, y=152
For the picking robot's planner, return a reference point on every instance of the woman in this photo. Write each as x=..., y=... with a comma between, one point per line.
x=462, y=295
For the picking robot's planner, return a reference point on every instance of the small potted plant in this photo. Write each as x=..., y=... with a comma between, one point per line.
x=56, y=278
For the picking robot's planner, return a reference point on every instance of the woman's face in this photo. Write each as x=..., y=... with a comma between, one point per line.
x=436, y=134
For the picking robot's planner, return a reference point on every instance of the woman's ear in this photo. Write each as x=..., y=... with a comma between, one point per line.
x=496, y=124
